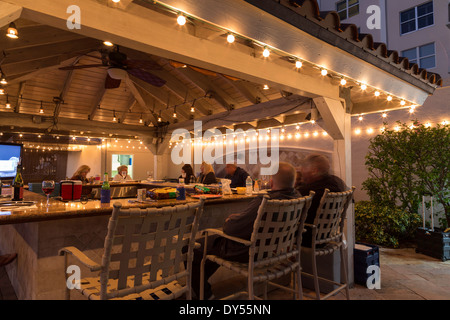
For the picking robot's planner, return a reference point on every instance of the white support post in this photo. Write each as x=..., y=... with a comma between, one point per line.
x=342, y=167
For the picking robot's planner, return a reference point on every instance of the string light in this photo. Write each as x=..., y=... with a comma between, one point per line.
x=181, y=20
x=41, y=110
x=324, y=72
x=389, y=98
x=230, y=38
x=108, y=43
x=266, y=53
x=298, y=64
x=363, y=86
x=114, y=116
x=377, y=93
x=343, y=82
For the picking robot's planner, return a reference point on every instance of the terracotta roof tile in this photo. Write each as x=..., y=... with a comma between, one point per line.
x=330, y=20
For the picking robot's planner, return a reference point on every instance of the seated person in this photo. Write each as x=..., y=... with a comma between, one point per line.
x=81, y=174
x=240, y=225
x=207, y=175
x=236, y=174
x=122, y=174
x=186, y=173
x=316, y=177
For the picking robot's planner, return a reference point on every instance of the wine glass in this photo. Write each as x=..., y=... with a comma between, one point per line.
x=47, y=187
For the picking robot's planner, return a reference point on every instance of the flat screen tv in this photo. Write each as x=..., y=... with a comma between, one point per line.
x=10, y=154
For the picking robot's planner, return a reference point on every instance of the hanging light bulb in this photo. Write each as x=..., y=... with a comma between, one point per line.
x=41, y=110
x=140, y=120
x=360, y=118
x=7, y=105
x=114, y=116
x=363, y=86
x=230, y=38
x=377, y=93
x=192, y=107
x=298, y=64
x=265, y=87
x=324, y=72
x=384, y=115
x=12, y=31
x=181, y=20
x=403, y=102
x=2, y=91
x=108, y=43
x=3, y=78
x=175, y=112
x=343, y=82
x=389, y=98
x=266, y=53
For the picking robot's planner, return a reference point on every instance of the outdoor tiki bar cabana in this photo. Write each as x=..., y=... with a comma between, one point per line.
x=263, y=65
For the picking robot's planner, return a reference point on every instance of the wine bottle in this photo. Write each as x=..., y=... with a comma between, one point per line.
x=18, y=184
x=105, y=196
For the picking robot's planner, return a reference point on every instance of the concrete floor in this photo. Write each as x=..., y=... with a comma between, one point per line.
x=405, y=275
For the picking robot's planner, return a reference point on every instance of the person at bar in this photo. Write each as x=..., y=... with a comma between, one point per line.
x=122, y=174
x=236, y=174
x=207, y=175
x=316, y=177
x=240, y=225
x=186, y=173
x=81, y=174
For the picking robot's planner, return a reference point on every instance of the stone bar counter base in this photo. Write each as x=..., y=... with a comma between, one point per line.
x=37, y=234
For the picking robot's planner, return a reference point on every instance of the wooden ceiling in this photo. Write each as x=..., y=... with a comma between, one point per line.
x=31, y=65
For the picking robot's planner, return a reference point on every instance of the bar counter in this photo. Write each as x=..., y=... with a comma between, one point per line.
x=37, y=233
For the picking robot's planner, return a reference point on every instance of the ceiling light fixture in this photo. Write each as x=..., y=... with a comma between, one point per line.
x=41, y=110
x=266, y=53
x=298, y=64
x=108, y=43
x=114, y=116
x=324, y=72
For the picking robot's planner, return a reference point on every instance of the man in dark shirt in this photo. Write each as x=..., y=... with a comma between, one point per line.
x=236, y=174
x=240, y=225
x=315, y=177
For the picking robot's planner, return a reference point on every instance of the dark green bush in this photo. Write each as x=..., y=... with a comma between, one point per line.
x=384, y=225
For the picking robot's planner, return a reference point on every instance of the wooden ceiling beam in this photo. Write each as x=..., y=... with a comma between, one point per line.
x=42, y=51
x=207, y=86
x=140, y=99
x=9, y=13
x=69, y=124
x=248, y=114
x=96, y=104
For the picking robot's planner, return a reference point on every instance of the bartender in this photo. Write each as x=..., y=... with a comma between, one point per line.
x=122, y=174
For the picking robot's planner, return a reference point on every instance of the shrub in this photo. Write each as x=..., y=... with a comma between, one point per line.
x=384, y=225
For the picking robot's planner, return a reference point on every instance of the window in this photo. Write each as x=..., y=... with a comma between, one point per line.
x=424, y=56
x=347, y=8
x=416, y=18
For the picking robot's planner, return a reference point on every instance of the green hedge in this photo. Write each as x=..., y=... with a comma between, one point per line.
x=384, y=225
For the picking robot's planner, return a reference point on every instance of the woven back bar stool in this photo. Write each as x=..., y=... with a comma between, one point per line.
x=274, y=246
x=328, y=237
x=143, y=254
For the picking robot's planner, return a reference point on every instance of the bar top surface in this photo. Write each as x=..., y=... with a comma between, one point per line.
x=75, y=209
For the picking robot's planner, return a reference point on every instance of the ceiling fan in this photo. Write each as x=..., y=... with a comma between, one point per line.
x=119, y=65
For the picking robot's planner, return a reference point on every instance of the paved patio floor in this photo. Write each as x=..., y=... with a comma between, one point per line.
x=405, y=275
